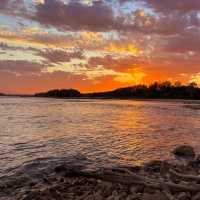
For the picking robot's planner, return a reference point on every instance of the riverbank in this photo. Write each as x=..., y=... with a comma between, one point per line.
x=156, y=180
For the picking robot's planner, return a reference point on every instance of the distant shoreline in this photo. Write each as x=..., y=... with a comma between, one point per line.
x=189, y=103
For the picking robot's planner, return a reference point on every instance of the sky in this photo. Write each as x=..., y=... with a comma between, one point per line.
x=97, y=45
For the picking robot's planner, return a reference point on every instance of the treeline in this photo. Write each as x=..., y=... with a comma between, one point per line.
x=2, y=94
x=59, y=93
x=155, y=90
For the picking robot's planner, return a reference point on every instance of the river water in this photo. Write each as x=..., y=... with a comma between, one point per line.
x=44, y=131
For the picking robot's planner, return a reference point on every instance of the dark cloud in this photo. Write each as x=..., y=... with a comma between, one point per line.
x=59, y=56
x=13, y=7
x=76, y=16
x=122, y=64
x=178, y=44
x=19, y=67
x=170, y=6
x=6, y=47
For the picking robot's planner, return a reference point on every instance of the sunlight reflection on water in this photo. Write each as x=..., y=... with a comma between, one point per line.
x=93, y=132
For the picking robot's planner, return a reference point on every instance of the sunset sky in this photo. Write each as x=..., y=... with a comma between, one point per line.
x=97, y=45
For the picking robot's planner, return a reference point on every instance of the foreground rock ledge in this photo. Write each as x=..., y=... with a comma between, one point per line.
x=157, y=180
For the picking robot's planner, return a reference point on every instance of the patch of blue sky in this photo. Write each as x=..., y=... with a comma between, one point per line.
x=5, y=20
x=128, y=7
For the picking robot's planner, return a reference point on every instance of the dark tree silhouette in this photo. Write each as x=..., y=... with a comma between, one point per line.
x=59, y=93
x=156, y=90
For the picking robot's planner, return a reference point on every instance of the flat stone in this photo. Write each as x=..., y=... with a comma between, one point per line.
x=155, y=164
x=110, y=198
x=164, y=169
x=182, y=196
x=98, y=197
x=149, y=190
x=197, y=196
x=184, y=183
x=90, y=197
x=191, y=172
x=154, y=197
x=105, y=184
x=99, y=191
x=139, y=188
x=122, y=195
x=92, y=180
x=138, y=196
x=107, y=192
x=188, y=194
x=197, y=158
x=129, y=197
x=133, y=190
x=184, y=150
x=115, y=193
x=123, y=187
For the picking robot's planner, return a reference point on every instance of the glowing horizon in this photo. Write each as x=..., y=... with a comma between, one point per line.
x=95, y=45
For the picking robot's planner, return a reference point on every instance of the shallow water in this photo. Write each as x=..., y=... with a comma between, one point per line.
x=38, y=132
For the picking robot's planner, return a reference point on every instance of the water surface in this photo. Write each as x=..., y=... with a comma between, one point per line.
x=39, y=131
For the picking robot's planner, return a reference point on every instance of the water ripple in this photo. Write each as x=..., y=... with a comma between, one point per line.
x=92, y=132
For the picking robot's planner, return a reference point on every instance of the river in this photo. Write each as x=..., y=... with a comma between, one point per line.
x=36, y=132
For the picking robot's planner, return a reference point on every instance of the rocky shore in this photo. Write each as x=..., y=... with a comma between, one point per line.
x=156, y=180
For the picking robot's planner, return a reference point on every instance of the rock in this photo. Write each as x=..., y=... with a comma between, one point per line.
x=197, y=158
x=156, y=164
x=139, y=188
x=154, y=197
x=115, y=193
x=133, y=190
x=110, y=198
x=123, y=187
x=184, y=150
x=149, y=190
x=197, y=196
x=90, y=197
x=62, y=179
x=191, y=172
x=122, y=195
x=188, y=194
x=105, y=184
x=184, y=183
x=106, y=187
x=31, y=195
x=158, y=192
x=60, y=168
x=129, y=197
x=98, y=197
x=182, y=196
x=99, y=191
x=69, y=174
x=92, y=180
x=164, y=169
x=107, y=191
x=137, y=196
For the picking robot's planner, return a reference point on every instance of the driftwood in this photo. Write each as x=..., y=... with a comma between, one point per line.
x=131, y=178
x=184, y=176
x=169, y=184
x=167, y=192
